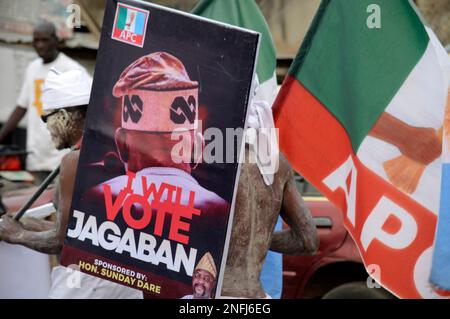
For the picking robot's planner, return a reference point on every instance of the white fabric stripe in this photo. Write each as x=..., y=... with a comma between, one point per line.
x=260, y=118
x=268, y=90
x=446, y=139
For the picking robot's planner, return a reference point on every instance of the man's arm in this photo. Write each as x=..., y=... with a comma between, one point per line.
x=11, y=123
x=33, y=223
x=49, y=241
x=301, y=238
x=37, y=224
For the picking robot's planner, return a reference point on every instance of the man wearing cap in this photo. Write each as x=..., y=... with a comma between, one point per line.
x=43, y=157
x=65, y=99
x=204, y=278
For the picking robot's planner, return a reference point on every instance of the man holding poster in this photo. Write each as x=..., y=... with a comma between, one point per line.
x=65, y=98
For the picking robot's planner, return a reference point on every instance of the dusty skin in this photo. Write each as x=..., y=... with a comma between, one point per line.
x=257, y=209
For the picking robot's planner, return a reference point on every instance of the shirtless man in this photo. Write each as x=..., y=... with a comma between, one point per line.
x=65, y=99
x=262, y=196
x=66, y=128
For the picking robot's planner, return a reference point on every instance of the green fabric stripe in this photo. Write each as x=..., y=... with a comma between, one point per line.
x=245, y=14
x=356, y=71
x=122, y=19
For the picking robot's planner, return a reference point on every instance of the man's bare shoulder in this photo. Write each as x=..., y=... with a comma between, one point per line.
x=69, y=163
x=285, y=170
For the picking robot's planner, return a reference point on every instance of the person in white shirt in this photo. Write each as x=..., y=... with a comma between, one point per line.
x=43, y=156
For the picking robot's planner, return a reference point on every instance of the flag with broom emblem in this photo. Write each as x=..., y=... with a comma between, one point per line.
x=404, y=172
x=360, y=116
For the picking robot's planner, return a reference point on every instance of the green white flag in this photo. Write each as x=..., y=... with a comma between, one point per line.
x=360, y=116
x=246, y=14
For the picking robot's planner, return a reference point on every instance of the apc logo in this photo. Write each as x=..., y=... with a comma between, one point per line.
x=182, y=110
x=132, y=108
x=130, y=25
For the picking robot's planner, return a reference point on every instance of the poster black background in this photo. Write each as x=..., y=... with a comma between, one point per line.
x=220, y=58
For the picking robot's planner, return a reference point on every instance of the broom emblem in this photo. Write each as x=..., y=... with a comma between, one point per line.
x=130, y=22
x=404, y=172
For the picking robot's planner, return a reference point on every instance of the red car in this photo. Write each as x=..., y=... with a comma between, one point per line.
x=336, y=270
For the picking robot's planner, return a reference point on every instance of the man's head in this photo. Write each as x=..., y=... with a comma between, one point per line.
x=157, y=99
x=65, y=98
x=45, y=41
x=66, y=125
x=140, y=150
x=204, y=278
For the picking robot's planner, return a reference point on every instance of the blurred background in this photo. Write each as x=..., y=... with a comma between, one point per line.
x=288, y=21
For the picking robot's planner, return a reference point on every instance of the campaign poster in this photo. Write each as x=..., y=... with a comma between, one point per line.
x=147, y=209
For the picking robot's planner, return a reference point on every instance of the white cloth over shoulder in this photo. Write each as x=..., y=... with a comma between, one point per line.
x=264, y=143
